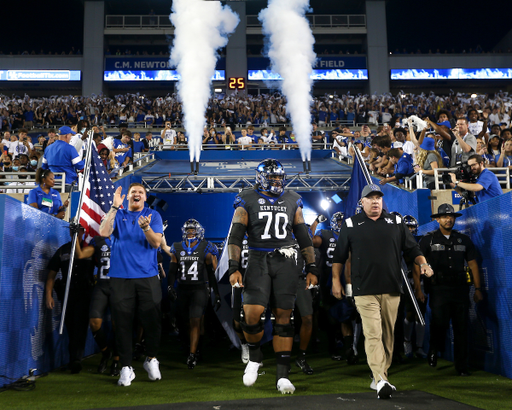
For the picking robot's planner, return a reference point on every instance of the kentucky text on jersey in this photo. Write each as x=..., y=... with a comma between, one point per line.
x=272, y=208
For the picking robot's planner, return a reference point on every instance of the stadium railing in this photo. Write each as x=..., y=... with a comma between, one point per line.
x=13, y=180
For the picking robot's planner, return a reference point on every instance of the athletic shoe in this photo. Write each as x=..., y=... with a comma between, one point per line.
x=245, y=353
x=127, y=375
x=151, y=366
x=420, y=353
x=373, y=385
x=408, y=349
x=191, y=361
x=285, y=386
x=384, y=389
x=114, y=368
x=303, y=364
x=105, y=357
x=251, y=373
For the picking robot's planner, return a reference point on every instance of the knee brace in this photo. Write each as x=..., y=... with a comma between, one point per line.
x=252, y=329
x=283, y=330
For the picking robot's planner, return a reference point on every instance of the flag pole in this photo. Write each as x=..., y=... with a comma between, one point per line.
x=87, y=169
x=404, y=276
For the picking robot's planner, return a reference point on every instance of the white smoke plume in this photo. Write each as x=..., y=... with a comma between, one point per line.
x=201, y=28
x=291, y=54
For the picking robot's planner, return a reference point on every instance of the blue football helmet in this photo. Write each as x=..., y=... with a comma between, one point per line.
x=336, y=221
x=270, y=176
x=359, y=207
x=192, y=227
x=411, y=221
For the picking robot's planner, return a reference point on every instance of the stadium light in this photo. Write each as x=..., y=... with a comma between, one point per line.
x=324, y=204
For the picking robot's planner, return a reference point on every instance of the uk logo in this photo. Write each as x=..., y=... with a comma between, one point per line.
x=389, y=221
x=182, y=253
x=261, y=201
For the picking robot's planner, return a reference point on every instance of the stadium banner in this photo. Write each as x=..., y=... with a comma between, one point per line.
x=317, y=75
x=341, y=62
x=145, y=63
x=451, y=74
x=29, y=332
x=40, y=75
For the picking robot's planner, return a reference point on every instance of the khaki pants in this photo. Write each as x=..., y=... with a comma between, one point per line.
x=378, y=314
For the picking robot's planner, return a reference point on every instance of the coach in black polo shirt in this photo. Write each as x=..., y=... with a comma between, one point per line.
x=375, y=240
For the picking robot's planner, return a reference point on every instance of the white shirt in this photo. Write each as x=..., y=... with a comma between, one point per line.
x=336, y=144
x=408, y=147
x=245, y=140
x=168, y=136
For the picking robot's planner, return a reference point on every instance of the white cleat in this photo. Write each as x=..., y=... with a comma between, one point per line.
x=373, y=385
x=251, y=373
x=285, y=386
x=126, y=376
x=385, y=389
x=153, y=369
x=245, y=353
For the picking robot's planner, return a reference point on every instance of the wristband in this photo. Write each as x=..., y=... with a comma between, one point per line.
x=233, y=266
x=425, y=264
x=115, y=207
x=311, y=268
x=348, y=290
x=147, y=229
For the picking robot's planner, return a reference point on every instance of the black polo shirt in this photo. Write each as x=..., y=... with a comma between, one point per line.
x=376, y=248
x=448, y=256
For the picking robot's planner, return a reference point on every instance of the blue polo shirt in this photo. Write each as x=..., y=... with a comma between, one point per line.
x=49, y=203
x=492, y=187
x=138, y=146
x=121, y=156
x=132, y=256
x=62, y=157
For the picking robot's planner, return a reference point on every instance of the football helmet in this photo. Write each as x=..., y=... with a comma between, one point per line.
x=336, y=221
x=411, y=221
x=359, y=207
x=396, y=214
x=270, y=175
x=192, y=227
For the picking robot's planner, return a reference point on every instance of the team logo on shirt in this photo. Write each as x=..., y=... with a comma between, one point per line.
x=389, y=221
x=244, y=242
x=459, y=240
x=261, y=201
x=104, y=248
x=332, y=240
x=182, y=253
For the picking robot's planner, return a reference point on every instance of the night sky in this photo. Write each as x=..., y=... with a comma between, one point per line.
x=445, y=24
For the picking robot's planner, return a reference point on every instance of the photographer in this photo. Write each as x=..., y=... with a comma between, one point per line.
x=486, y=186
x=464, y=144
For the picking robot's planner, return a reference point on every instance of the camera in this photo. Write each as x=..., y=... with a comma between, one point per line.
x=462, y=173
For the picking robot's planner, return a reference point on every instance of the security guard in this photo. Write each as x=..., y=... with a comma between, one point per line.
x=448, y=251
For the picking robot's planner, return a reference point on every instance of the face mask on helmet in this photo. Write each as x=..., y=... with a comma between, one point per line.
x=192, y=231
x=270, y=176
x=411, y=222
x=336, y=221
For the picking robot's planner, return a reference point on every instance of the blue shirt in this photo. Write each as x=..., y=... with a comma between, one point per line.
x=62, y=157
x=507, y=161
x=138, y=146
x=48, y=203
x=121, y=156
x=492, y=187
x=132, y=256
x=404, y=166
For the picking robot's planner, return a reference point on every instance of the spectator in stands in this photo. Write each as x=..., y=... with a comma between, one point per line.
x=227, y=138
x=486, y=186
x=107, y=157
x=245, y=142
x=402, y=166
x=151, y=143
x=168, y=135
x=493, y=149
x=317, y=136
x=44, y=197
x=122, y=150
x=21, y=144
x=62, y=157
x=149, y=119
x=138, y=145
x=52, y=137
x=428, y=159
x=181, y=140
x=340, y=145
x=505, y=157
x=475, y=125
x=464, y=145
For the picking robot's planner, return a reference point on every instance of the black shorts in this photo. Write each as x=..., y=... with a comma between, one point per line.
x=304, y=301
x=237, y=303
x=271, y=277
x=192, y=301
x=100, y=299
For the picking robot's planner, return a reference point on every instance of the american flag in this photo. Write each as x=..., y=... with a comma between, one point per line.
x=99, y=194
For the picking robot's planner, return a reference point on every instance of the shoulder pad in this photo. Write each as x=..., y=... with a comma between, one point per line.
x=238, y=202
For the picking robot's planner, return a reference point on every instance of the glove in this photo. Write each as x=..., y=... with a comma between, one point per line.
x=349, y=295
x=172, y=293
x=217, y=304
x=74, y=227
x=320, y=219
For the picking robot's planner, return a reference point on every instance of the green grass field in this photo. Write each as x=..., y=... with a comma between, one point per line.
x=219, y=377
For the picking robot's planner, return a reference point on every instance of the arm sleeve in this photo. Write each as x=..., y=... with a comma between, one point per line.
x=77, y=163
x=342, y=249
